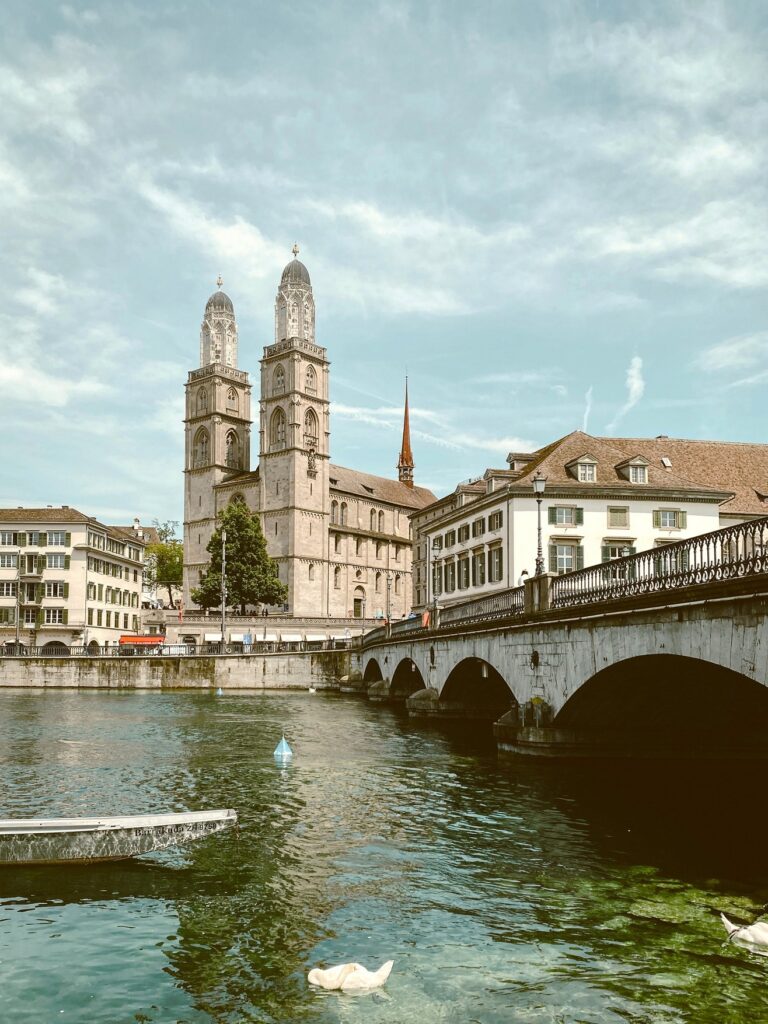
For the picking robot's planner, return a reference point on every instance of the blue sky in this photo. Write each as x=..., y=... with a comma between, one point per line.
x=553, y=215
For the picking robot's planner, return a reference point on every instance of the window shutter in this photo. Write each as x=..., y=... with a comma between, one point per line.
x=67, y=560
x=553, y=557
x=682, y=520
x=66, y=590
x=39, y=618
x=68, y=540
x=657, y=519
x=40, y=563
x=552, y=514
x=38, y=592
x=579, y=516
x=22, y=540
x=579, y=557
x=65, y=616
x=605, y=553
x=42, y=539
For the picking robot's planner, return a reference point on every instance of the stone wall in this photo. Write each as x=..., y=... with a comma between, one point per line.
x=322, y=669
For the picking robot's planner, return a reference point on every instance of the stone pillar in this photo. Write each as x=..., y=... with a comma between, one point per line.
x=538, y=590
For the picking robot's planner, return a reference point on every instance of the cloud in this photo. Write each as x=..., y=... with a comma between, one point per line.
x=19, y=380
x=635, y=390
x=737, y=353
x=587, y=410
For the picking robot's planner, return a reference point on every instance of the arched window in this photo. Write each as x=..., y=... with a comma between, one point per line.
x=278, y=380
x=359, y=546
x=373, y=519
x=397, y=584
x=237, y=498
x=232, y=402
x=359, y=603
x=334, y=511
x=378, y=582
x=311, y=378
x=311, y=571
x=379, y=548
x=202, y=402
x=232, y=453
x=336, y=544
x=310, y=427
x=200, y=454
x=337, y=578
x=343, y=513
x=277, y=429
x=381, y=522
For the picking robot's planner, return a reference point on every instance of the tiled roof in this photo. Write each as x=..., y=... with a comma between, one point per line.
x=378, y=488
x=609, y=453
x=739, y=468
x=148, y=534
x=61, y=516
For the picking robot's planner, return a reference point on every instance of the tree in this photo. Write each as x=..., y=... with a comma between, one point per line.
x=251, y=575
x=164, y=566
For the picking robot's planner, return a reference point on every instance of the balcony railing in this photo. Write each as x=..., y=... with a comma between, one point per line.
x=502, y=605
x=711, y=557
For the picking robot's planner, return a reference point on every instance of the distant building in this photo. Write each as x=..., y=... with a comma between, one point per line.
x=340, y=537
x=66, y=578
x=603, y=498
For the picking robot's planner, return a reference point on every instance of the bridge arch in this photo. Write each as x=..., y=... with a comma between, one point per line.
x=407, y=679
x=671, y=702
x=372, y=672
x=476, y=687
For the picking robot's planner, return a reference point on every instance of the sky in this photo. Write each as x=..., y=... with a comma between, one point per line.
x=551, y=216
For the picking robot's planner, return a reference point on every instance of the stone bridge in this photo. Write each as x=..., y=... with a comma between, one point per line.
x=636, y=657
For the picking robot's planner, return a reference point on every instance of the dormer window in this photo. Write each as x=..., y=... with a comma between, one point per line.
x=587, y=472
x=638, y=474
x=635, y=470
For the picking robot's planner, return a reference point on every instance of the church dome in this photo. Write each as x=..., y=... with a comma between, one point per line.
x=295, y=273
x=220, y=301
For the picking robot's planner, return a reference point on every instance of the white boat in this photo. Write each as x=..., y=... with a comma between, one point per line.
x=72, y=840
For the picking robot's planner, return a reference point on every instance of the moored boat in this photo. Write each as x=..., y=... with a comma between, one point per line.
x=73, y=840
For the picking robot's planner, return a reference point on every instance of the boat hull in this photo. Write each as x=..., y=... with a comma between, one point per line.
x=85, y=840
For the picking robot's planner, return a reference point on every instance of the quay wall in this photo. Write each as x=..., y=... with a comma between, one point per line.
x=295, y=670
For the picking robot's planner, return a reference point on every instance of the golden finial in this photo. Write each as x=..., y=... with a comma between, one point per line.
x=295, y=250
x=219, y=281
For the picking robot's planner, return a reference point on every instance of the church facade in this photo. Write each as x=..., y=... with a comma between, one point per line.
x=340, y=537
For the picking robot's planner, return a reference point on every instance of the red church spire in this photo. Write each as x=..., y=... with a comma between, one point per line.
x=405, y=462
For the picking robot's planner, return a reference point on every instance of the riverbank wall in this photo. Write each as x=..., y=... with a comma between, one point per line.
x=295, y=670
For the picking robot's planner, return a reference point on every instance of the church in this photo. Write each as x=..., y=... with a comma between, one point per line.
x=341, y=537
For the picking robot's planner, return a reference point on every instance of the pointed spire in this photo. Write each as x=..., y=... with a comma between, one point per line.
x=405, y=462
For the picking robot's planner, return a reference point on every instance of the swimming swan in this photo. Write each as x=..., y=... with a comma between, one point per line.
x=754, y=933
x=349, y=977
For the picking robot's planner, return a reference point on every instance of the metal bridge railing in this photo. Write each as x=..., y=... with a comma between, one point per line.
x=503, y=605
x=726, y=554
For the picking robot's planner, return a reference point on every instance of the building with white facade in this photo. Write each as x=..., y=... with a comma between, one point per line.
x=603, y=498
x=340, y=537
x=67, y=579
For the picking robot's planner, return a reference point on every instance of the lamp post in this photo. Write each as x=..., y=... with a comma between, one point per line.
x=539, y=483
x=389, y=603
x=434, y=550
x=223, y=587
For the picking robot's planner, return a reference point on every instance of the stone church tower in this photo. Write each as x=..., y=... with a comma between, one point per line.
x=217, y=430
x=294, y=445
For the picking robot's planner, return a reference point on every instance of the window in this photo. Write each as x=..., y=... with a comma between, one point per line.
x=359, y=546
x=373, y=519
x=379, y=548
x=587, y=472
x=450, y=577
x=450, y=538
x=478, y=528
x=397, y=584
x=343, y=513
x=99, y=617
x=200, y=449
x=463, y=572
x=334, y=511
x=565, y=558
x=9, y=561
x=638, y=474
x=109, y=619
x=310, y=379
x=669, y=519
x=7, y=588
x=565, y=515
x=90, y=616
x=463, y=533
x=396, y=552
x=496, y=564
x=232, y=400
x=618, y=517
x=54, y=616
x=336, y=544
x=495, y=520
x=478, y=569
x=232, y=454
x=278, y=380
x=56, y=561
x=55, y=589
x=202, y=402
x=277, y=429
x=311, y=571
x=8, y=537
x=30, y=617
x=337, y=578
x=57, y=538
x=377, y=584
x=610, y=552
x=311, y=432
x=125, y=620
x=381, y=522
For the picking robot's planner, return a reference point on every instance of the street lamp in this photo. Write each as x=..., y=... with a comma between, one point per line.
x=434, y=550
x=389, y=601
x=539, y=483
x=223, y=587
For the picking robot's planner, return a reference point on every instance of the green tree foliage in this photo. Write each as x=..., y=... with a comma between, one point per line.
x=251, y=575
x=164, y=560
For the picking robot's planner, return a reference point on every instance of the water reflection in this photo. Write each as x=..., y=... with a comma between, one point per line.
x=503, y=891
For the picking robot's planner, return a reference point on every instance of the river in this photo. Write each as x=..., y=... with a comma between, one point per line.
x=505, y=891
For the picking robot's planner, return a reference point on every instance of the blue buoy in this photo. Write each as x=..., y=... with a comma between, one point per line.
x=283, y=750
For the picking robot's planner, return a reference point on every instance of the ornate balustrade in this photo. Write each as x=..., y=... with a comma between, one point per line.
x=502, y=605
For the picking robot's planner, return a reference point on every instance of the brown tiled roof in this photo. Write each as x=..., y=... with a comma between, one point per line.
x=148, y=534
x=61, y=516
x=739, y=468
x=609, y=453
x=378, y=488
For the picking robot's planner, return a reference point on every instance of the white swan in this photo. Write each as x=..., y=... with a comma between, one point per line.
x=757, y=933
x=349, y=977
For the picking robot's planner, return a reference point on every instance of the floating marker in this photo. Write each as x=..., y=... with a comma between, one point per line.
x=283, y=750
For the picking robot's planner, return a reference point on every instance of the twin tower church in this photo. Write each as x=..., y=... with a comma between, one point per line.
x=340, y=537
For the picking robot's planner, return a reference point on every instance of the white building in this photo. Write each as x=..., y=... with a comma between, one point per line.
x=603, y=498
x=67, y=579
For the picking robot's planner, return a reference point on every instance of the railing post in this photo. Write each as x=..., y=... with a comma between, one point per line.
x=538, y=593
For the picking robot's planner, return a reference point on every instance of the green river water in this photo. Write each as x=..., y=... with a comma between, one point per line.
x=505, y=891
